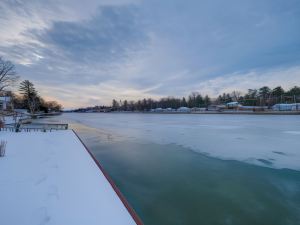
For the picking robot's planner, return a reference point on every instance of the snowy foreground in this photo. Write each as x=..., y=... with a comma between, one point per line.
x=49, y=178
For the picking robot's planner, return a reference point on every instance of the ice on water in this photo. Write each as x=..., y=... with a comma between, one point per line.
x=272, y=141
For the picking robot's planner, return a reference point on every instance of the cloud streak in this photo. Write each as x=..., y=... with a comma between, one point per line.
x=134, y=49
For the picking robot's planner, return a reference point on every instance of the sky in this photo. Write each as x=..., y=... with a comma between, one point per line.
x=86, y=53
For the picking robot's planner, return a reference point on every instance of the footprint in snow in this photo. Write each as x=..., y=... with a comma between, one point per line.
x=42, y=216
x=53, y=192
x=41, y=179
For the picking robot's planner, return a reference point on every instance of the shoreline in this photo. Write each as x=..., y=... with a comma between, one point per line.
x=209, y=112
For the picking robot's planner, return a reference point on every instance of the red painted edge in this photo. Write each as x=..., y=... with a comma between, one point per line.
x=131, y=211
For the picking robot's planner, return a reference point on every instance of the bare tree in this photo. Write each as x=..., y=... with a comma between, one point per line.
x=7, y=74
x=236, y=95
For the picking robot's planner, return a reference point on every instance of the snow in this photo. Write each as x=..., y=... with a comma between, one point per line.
x=49, y=178
x=9, y=120
x=247, y=138
x=5, y=99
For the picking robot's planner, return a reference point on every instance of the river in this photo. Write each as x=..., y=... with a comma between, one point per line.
x=199, y=169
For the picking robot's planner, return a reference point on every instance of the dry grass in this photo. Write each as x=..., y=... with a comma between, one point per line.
x=2, y=148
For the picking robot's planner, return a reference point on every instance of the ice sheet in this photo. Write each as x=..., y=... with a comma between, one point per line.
x=267, y=140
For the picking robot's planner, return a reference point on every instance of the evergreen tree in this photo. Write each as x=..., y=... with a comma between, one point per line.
x=264, y=94
x=278, y=91
x=30, y=95
x=115, y=105
x=294, y=91
x=144, y=104
x=125, y=105
x=183, y=102
x=199, y=101
x=207, y=101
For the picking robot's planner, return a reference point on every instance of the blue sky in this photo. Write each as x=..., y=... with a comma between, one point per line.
x=88, y=52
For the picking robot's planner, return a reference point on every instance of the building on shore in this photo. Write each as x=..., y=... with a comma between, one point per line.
x=216, y=107
x=198, y=109
x=286, y=107
x=156, y=110
x=5, y=103
x=168, y=110
x=253, y=108
x=184, y=110
x=233, y=105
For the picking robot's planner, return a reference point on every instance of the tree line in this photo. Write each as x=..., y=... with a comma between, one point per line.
x=264, y=96
x=28, y=97
x=195, y=99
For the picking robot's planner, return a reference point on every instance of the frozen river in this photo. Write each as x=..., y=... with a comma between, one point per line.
x=200, y=169
x=265, y=140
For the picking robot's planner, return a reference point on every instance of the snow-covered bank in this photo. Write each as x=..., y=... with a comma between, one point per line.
x=49, y=178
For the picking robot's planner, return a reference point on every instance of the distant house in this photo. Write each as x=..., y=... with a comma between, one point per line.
x=157, y=110
x=286, y=107
x=5, y=103
x=184, y=110
x=253, y=108
x=168, y=110
x=233, y=105
x=215, y=107
x=198, y=109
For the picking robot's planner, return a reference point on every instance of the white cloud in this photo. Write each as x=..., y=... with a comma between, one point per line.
x=72, y=96
x=82, y=55
x=20, y=18
x=285, y=77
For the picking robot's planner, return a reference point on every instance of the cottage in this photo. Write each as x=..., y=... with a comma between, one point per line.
x=184, y=110
x=253, y=108
x=216, y=107
x=168, y=110
x=233, y=105
x=157, y=110
x=198, y=109
x=286, y=107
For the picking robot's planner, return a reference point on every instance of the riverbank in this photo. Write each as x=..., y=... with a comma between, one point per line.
x=251, y=112
x=229, y=112
x=49, y=177
x=232, y=112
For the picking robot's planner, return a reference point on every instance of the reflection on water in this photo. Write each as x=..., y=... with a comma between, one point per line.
x=170, y=184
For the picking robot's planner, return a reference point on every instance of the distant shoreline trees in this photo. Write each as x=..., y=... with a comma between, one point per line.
x=194, y=100
x=264, y=96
